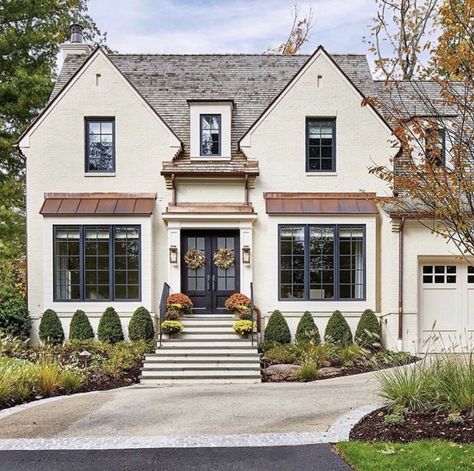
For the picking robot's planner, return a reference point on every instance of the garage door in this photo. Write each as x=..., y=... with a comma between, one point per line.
x=447, y=307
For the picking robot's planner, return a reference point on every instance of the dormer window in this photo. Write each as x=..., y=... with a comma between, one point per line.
x=100, y=145
x=435, y=148
x=210, y=135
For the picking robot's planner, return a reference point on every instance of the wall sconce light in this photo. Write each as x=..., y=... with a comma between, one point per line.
x=246, y=254
x=173, y=254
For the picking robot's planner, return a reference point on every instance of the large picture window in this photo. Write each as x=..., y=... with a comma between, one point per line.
x=100, y=145
x=322, y=262
x=96, y=263
x=320, y=145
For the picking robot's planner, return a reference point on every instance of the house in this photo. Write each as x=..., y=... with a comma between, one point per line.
x=139, y=158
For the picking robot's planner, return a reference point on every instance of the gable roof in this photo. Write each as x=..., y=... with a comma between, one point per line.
x=168, y=81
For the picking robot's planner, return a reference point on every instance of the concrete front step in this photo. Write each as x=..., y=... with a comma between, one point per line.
x=254, y=359
x=209, y=317
x=192, y=367
x=203, y=343
x=204, y=373
x=197, y=324
x=178, y=352
x=201, y=380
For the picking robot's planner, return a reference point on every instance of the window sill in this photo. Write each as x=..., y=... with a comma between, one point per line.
x=321, y=174
x=99, y=174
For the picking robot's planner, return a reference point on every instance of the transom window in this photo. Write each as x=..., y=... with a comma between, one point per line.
x=96, y=263
x=322, y=262
x=320, y=145
x=439, y=274
x=210, y=134
x=100, y=145
x=436, y=146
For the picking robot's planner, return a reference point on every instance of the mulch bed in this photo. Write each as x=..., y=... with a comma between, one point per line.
x=417, y=426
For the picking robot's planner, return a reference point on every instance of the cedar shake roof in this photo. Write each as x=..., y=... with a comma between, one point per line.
x=98, y=204
x=320, y=203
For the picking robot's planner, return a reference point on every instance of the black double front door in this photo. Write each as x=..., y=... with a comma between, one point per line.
x=209, y=286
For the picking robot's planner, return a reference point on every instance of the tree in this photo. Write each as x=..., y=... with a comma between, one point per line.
x=432, y=175
x=399, y=35
x=299, y=33
x=30, y=35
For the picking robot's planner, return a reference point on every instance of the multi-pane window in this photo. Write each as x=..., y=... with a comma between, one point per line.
x=226, y=276
x=322, y=262
x=210, y=134
x=100, y=145
x=320, y=145
x=96, y=263
x=436, y=146
x=470, y=274
x=439, y=274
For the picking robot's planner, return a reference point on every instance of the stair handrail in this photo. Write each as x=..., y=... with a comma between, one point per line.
x=163, y=308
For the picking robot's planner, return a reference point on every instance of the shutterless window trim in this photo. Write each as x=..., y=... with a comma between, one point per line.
x=97, y=119
x=332, y=123
x=336, y=254
x=442, y=141
x=219, y=119
x=111, y=228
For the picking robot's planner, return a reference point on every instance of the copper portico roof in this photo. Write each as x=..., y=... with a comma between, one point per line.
x=320, y=203
x=98, y=204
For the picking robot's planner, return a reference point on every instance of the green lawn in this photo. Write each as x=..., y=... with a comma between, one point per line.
x=416, y=456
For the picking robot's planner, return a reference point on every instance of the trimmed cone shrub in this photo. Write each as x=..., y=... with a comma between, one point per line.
x=50, y=329
x=110, y=328
x=307, y=330
x=338, y=330
x=277, y=329
x=80, y=328
x=368, y=333
x=141, y=325
x=14, y=318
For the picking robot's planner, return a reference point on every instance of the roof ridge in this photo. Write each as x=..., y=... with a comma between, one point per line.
x=231, y=54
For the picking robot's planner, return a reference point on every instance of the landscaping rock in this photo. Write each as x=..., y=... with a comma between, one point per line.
x=329, y=372
x=325, y=364
x=282, y=372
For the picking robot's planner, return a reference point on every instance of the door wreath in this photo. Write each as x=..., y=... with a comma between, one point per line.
x=194, y=259
x=224, y=258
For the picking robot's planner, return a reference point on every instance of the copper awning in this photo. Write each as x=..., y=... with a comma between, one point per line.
x=98, y=204
x=320, y=203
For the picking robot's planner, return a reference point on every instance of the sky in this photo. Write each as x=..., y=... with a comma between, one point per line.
x=228, y=26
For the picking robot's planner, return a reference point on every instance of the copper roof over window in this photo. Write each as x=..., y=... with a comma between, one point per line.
x=98, y=204
x=320, y=203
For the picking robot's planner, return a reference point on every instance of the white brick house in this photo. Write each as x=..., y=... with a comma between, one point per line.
x=139, y=157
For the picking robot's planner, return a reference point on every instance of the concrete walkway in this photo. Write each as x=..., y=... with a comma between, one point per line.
x=190, y=410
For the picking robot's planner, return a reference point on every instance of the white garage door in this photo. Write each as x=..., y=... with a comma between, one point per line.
x=447, y=307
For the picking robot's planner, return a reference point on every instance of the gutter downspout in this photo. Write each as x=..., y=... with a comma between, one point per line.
x=400, y=283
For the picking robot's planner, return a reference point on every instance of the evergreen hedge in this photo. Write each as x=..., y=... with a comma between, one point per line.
x=338, y=330
x=141, y=325
x=277, y=329
x=80, y=327
x=15, y=319
x=368, y=333
x=307, y=331
x=110, y=328
x=51, y=330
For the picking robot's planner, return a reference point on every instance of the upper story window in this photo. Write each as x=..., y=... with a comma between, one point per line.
x=100, y=145
x=96, y=263
x=435, y=146
x=320, y=145
x=210, y=134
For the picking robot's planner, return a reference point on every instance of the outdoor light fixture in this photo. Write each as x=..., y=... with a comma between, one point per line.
x=173, y=254
x=245, y=254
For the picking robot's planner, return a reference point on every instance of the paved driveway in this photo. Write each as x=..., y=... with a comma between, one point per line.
x=190, y=410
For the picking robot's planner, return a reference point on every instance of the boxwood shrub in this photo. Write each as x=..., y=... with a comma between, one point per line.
x=277, y=329
x=15, y=319
x=51, y=330
x=141, y=325
x=338, y=330
x=368, y=333
x=110, y=327
x=80, y=327
x=307, y=331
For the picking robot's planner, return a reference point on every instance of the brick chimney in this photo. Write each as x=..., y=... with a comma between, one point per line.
x=76, y=45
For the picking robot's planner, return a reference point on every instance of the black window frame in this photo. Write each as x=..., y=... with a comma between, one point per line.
x=441, y=132
x=82, y=228
x=98, y=119
x=332, y=122
x=201, y=116
x=336, y=259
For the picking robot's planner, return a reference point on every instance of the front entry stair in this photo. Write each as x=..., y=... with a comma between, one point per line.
x=207, y=351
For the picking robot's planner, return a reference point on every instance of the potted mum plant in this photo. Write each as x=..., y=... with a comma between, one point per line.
x=178, y=304
x=243, y=327
x=171, y=328
x=240, y=305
